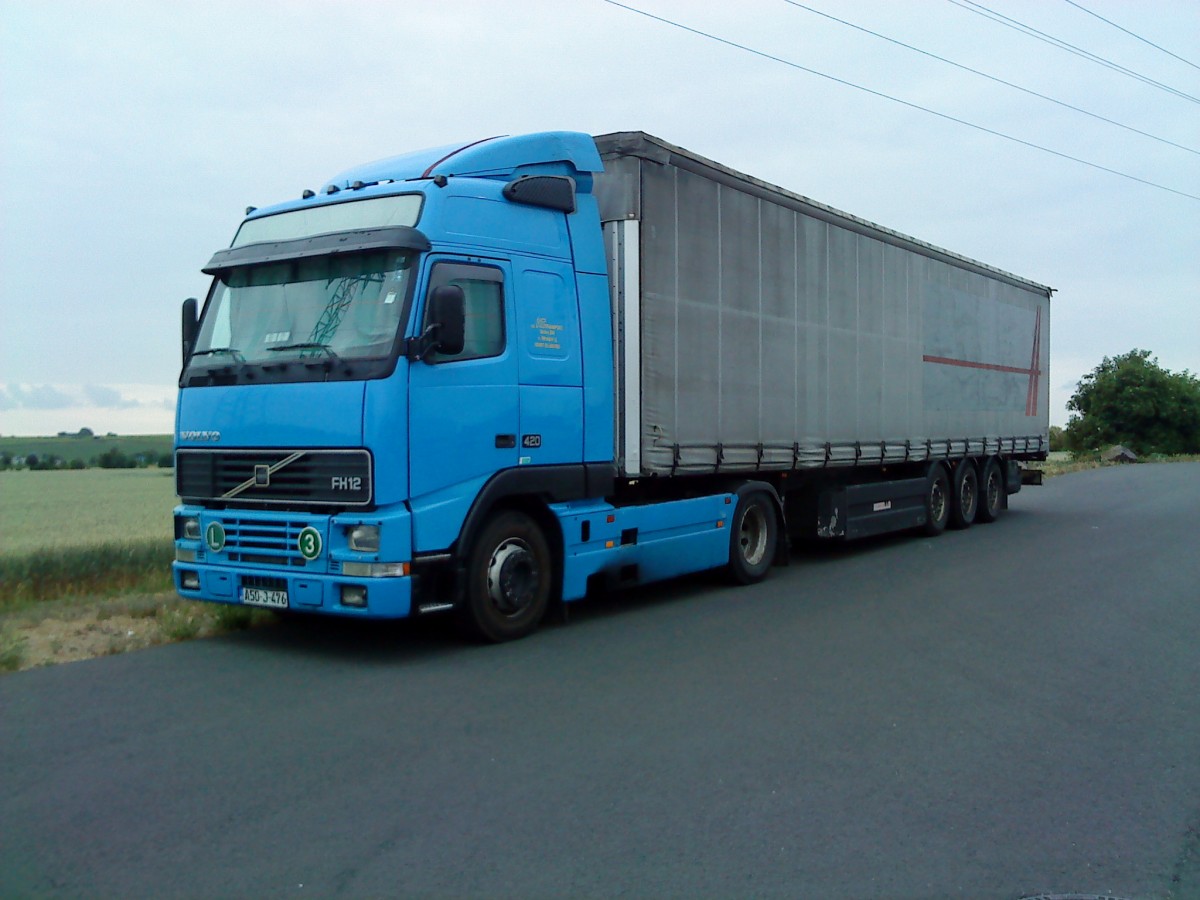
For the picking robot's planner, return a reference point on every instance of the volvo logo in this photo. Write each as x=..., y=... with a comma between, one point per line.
x=200, y=436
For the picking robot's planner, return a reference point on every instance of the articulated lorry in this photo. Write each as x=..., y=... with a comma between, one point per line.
x=485, y=376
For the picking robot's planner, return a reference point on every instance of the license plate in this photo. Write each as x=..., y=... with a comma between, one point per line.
x=263, y=597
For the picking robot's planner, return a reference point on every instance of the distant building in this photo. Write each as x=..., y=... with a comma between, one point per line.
x=1119, y=454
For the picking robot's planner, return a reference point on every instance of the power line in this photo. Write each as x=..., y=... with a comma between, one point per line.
x=1131, y=34
x=932, y=112
x=981, y=10
x=1017, y=87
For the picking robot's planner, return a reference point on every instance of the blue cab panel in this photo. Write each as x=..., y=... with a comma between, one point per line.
x=312, y=414
x=641, y=544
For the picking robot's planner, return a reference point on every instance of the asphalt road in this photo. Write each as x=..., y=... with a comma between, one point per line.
x=1001, y=712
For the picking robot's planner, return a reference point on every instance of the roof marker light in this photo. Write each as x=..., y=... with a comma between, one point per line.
x=332, y=189
x=250, y=209
x=357, y=186
x=307, y=194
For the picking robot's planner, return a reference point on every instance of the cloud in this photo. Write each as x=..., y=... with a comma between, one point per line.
x=34, y=396
x=106, y=397
x=32, y=409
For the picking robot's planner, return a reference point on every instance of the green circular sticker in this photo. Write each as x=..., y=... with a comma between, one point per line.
x=309, y=543
x=214, y=536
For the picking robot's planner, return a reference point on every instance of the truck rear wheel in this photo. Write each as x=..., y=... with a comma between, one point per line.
x=966, y=495
x=937, y=500
x=509, y=576
x=991, y=492
x=752, y=538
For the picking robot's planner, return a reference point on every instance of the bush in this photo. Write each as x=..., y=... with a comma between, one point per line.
x=112, y=458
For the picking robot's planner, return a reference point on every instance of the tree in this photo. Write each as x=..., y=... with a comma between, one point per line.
x=112, y=458
x=1058, y=438
x=1132, y=400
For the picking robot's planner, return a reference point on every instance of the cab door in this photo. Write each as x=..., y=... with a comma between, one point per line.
x=464, y=410
x=550, y=366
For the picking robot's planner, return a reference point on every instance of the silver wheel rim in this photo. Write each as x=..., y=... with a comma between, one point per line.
x=512, y=577
x=937, y=501
x=752, y=536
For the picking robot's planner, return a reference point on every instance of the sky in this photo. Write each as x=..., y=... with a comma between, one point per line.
x=134, y=134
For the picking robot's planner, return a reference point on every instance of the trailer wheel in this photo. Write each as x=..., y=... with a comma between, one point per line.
x=966, y=495
x=991, y=492
x=752, y=538
x=937, y=500
x=509, y=576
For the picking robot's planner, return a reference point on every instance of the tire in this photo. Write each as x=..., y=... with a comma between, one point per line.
x=966, y=495
x=937, y=500
x=510, y=572
x=991, y=492
x=752, y=538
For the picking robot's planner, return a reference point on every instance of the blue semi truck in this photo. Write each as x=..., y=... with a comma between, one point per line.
x=482, y=377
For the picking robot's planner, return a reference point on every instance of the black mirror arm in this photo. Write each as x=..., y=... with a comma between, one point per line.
x=418, y=348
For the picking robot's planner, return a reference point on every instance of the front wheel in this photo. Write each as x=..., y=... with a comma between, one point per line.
x=509, y=577
x=752, y=538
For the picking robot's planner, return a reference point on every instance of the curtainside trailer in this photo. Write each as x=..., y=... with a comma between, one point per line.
x=484, y=376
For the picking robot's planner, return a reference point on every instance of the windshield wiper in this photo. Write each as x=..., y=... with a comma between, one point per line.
x=232, y=351
x=305, y=345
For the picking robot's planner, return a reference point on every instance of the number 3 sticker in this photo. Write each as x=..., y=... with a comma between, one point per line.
x=309, y=543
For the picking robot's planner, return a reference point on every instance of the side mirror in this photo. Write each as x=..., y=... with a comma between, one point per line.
x=448, y=312
x=191, y=327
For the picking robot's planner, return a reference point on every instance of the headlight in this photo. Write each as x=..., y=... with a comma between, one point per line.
x=364, y=538
x=187, y=527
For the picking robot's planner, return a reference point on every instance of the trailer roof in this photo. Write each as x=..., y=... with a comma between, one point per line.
x=646, y=146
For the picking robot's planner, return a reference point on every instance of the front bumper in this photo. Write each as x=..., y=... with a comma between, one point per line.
x=220, y=554
x=386, y=598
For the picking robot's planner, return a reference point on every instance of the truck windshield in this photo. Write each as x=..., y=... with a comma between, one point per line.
x=347, y=306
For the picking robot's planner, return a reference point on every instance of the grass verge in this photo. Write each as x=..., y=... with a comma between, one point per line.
x=60, y=604
x=1052, y=467
x=84, y=626
x=100, y=569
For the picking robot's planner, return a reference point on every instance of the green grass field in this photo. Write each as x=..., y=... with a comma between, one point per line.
x=151, y=445
x=92, y=530
x=53, y=510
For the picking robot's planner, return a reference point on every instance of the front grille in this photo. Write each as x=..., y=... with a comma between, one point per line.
x=264, y=542
x=316, y=477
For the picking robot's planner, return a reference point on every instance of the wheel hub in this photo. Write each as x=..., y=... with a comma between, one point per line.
x=937, y=501
x=512, y=577
x=753, y=536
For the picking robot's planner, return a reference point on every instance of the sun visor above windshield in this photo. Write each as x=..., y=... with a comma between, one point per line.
x=400, y=238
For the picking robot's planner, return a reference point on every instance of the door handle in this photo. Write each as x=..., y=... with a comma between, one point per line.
x=506, y=441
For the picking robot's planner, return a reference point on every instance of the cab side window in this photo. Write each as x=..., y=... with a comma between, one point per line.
x=483, y=290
